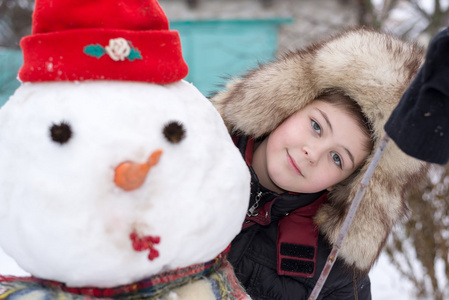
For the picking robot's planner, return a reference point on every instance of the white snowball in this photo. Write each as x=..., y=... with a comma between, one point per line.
x=62, y=216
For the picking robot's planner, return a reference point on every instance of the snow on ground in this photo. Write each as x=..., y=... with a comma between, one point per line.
x=386, y=283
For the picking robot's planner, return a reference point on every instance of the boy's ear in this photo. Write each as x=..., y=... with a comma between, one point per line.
x=330, y=188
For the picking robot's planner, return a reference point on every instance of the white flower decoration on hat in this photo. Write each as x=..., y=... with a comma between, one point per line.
x=118, y=49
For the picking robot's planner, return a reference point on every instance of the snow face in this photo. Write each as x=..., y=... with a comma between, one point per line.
x=63, y=218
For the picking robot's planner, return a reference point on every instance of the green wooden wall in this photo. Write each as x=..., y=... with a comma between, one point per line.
x=10, y=62
x=214, y=51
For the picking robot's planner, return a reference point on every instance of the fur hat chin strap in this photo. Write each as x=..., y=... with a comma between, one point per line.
x=372, y=68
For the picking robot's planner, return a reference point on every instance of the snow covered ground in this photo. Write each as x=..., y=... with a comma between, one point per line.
x=386, y=282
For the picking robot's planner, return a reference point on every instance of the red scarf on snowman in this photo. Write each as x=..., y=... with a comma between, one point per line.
x=218, y=272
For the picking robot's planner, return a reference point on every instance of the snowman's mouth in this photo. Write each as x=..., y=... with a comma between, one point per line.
x=143, y=243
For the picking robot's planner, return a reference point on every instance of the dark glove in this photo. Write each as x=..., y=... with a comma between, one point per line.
x=419, y=125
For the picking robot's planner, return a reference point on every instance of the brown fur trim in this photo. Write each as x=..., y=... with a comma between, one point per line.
x=372, y=68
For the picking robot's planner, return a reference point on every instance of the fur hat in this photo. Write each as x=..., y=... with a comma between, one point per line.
x=372, y=68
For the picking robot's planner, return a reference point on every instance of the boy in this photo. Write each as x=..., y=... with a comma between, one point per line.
x=307, y=154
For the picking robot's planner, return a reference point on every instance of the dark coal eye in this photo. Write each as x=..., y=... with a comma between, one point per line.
x=60, y=133
x=174, y=132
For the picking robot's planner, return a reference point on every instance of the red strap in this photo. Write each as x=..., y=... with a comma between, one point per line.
x=297, y=241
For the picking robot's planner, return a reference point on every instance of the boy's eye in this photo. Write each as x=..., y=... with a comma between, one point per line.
x=336, y=158
x=316, y=127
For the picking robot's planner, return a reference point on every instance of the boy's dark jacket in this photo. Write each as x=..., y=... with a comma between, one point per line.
x=279, y=238
x=372, y=68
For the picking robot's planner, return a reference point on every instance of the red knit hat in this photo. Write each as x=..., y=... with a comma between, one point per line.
x=101, y=39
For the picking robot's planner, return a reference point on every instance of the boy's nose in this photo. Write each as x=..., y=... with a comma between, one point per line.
x=312, y=154
x=308, y=154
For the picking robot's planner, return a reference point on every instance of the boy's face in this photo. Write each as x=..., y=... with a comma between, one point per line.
x=314, y=149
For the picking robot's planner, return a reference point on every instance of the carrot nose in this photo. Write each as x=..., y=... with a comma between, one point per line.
x=130, y=175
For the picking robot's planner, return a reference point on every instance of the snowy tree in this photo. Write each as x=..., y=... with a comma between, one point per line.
x=15, y=21
x=420, y=247
x=411, y=19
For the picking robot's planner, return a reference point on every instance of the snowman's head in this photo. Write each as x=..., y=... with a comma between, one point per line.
x=112, y=169
x=105, y=183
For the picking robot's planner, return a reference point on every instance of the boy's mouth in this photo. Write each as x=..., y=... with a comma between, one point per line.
x=293, y=165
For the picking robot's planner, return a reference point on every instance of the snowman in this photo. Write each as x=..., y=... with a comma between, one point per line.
x=117, y=178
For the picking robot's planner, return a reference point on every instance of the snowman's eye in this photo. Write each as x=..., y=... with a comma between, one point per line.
x=60, y=133
x=174, y=132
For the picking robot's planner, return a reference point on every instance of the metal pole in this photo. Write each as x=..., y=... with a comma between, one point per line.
x=348, y=220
